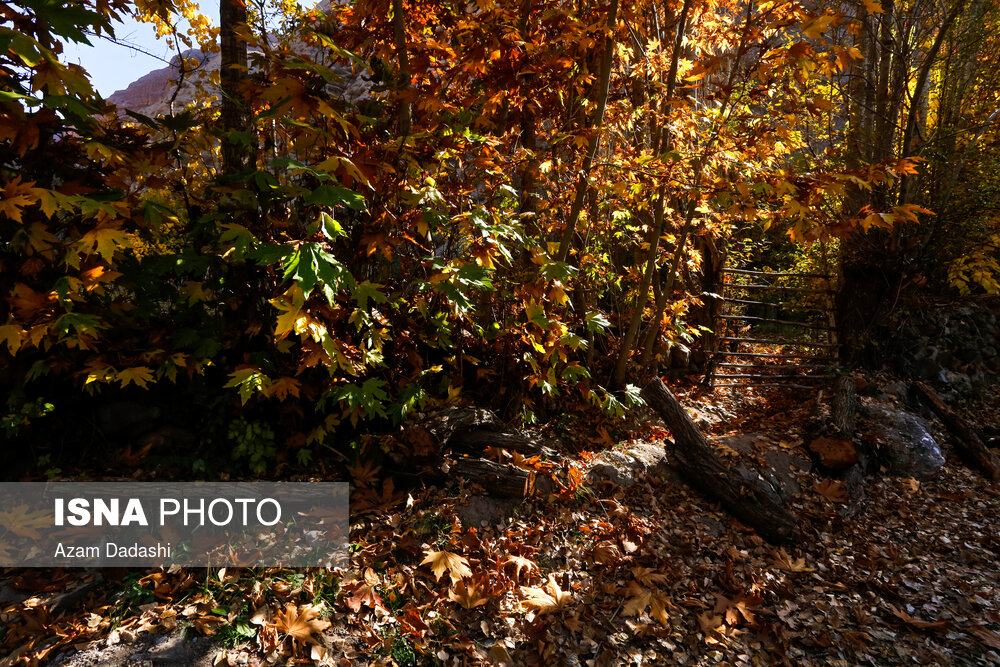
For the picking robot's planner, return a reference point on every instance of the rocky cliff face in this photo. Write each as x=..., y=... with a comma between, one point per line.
x=150, y=94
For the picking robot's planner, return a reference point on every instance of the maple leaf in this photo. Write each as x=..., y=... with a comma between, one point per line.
x=468, y=595
x=640, y=598
x=364, y=595
x=786, y=562
x=832, y=490
x=606, y=552
x=521, y=564
x=11, y=335
x=710, y=624
x=363, y=474
x=105, y=240
x=548, y=599
x=139, y=375
x=456, y=566
x=284, y=387
x=22, y=522
x=16, y=195
x=649, y=577
x=815, y=27
x=301, y=624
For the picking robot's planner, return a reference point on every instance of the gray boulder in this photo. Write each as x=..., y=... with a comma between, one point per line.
x=905, y=444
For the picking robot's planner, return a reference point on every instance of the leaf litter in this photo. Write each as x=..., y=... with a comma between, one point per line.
x=605, y=575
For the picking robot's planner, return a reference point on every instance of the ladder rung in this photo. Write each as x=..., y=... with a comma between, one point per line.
x=775, y=342
x=772, y=367
x=783, y=289
x=748, y=272
x=789, y=323
x=768, y=303
x=764, y=376
x=771, y=356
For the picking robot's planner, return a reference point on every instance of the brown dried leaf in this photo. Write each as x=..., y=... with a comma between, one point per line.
x=933, y=626
x=832, y=490
x=456, y=566
x=547, y=599
x=300, y=624
x=469, y=595
x=521, y=564
x=606, y=552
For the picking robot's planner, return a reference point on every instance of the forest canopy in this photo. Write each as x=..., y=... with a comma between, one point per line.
x=374, y=208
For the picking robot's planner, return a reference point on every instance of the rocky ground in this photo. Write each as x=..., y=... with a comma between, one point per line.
x=622, y=564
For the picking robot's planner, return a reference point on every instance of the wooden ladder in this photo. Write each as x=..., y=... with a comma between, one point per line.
x=811, y=349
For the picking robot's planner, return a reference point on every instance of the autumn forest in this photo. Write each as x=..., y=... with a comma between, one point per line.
x=643, y=332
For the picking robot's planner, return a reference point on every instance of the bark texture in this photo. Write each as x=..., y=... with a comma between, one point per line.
x=754, y=497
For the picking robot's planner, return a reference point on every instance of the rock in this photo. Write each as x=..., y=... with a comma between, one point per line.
x=784, y=465
x=960, y=382
x=834, y=453
x=907, y=447
x=624, y=466
x=175, y=649
x=482, y=511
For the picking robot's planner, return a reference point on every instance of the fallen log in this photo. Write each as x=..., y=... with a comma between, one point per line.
x=514, y=442
x=500, y=479
x=467, y=429
x=755, y=498
x=968, y=443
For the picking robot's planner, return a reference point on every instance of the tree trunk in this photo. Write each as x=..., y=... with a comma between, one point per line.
x=234, y=116
x=754, y=497
x=403, y=78
x=588, y=159
x=844, y=407
x=970, y=446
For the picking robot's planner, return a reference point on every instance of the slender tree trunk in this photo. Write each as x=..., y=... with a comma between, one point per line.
x=660, y=139
x=403, y=61
x=234, y=118
x=918, y=92
x=582, y=183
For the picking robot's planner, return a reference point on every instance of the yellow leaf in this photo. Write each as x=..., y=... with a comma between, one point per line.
x=104, y=240
x=283, y=387
x=16, y=195
x=140, y=375
x=874, y=7
x=814, y=28
x=194, y=291
x=12, y=335
x=456, y=566
x=290, y=304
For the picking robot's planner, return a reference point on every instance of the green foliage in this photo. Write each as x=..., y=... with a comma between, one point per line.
x=235, y=633
x=254, y=441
